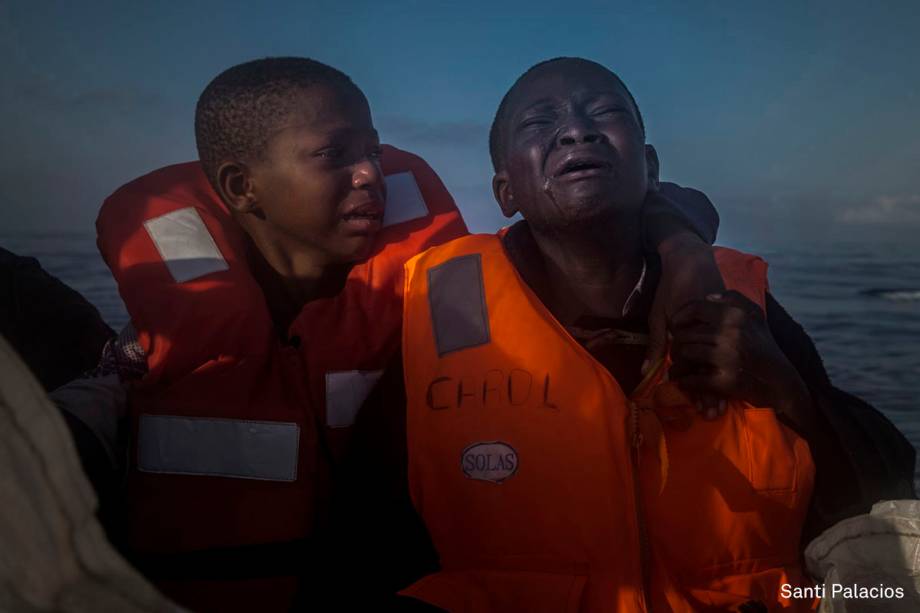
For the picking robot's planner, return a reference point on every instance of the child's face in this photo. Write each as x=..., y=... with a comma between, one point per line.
x=319, y=181
x=575, y=150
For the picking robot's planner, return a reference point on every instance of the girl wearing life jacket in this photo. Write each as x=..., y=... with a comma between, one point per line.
x=552, y=472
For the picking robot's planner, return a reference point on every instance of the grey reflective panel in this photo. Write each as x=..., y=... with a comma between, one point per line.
x=458, y=304
x=346, y=391
x=266, y=450
x=404, y=199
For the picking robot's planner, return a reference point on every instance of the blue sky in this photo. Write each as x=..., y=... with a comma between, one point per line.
x=797, y=118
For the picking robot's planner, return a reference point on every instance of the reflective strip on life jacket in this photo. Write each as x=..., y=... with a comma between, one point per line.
x=184, y=243
x=458, y=308
x=404, y=199
x=346, y=391
x=241, y=449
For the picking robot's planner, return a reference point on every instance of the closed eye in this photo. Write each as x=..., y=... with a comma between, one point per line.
x=330, y=153
x=534, y=122
x=608, y=110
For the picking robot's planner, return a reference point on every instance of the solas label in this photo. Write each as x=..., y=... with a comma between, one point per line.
x=493, y=461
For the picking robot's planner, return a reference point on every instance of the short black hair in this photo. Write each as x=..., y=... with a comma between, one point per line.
x=241, y=107
x=496, y=132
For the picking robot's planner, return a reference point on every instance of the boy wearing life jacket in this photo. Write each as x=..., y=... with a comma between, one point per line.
x=264, y=288
x=551, y=470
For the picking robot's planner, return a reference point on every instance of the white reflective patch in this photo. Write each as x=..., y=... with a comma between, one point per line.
x=346, y=391
x=489, y=461
x=404, y=199
x=242, y=449
x=185, y=244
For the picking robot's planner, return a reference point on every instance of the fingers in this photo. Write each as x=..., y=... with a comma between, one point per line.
x=718, y=310
x=698, y=335
x=699, y=312
x=710, y=370
x=720, y=382
x=707, y=385
x=698, y=363
x=697, y=358
x=736, y=299
x=716, y=383
x=711, y=355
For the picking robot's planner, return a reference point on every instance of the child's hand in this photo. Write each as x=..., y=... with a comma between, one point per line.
x=723, y=345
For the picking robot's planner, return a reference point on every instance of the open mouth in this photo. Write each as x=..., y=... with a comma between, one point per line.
x=579, y=167
x=367, y=218
x=370, y=216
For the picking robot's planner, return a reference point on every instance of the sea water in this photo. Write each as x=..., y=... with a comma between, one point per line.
x=861, y=305
x=859, y=302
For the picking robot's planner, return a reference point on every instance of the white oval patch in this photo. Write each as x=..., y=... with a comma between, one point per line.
x=489, y=461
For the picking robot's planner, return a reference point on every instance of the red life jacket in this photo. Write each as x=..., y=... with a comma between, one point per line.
x=545, y=488
x=233, y=432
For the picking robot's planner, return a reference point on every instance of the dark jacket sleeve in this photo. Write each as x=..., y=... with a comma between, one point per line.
x=58, y=333
x=675, y=206
x=863, y=457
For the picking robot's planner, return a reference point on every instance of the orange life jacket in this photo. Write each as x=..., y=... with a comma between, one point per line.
x=546, y=489
x=233, y=432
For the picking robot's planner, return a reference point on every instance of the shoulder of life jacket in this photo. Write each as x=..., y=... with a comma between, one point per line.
x=178, y=259
x=546, y=488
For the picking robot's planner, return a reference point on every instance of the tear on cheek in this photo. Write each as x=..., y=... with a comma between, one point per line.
x=548, y=184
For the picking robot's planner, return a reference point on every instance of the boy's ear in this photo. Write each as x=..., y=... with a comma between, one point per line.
x=653, y=167
x=235, y=187
x=501, y=189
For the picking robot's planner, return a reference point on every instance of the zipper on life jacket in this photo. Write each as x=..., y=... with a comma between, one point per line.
x=644, y=547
